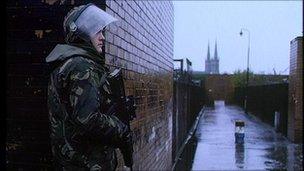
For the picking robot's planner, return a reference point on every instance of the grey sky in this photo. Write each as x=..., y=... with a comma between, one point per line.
x=272, y=25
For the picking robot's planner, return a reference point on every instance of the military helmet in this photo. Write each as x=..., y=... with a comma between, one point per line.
x=85, y=21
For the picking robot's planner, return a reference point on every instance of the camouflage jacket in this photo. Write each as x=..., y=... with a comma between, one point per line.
x=83, y=137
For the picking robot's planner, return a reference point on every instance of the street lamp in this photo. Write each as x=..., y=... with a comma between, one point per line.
x=247, y=74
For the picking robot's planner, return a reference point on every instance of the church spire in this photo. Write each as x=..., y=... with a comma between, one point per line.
x=215, y=51
x=208, y=52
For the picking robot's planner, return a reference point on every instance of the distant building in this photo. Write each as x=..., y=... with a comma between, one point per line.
x=212, y=65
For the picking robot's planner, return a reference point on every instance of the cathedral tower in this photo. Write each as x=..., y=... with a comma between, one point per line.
x=212, y=64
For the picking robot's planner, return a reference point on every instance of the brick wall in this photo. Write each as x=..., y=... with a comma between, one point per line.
x=219, y=87
x=295, y=100
x=141, y=43
x=264, y=100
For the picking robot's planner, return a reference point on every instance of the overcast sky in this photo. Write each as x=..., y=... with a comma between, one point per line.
x=272, y=25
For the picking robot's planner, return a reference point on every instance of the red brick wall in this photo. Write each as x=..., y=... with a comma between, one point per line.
x=221, y=86
x=142, y=44
x=295, y=100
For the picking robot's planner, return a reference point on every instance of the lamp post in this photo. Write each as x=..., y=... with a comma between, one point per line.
x=247, y=74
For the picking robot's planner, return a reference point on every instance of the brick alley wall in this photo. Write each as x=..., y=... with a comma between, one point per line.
x=222, y=86
x=219, y=87
x=264, y=100
x=141, y=43
x=295, y=98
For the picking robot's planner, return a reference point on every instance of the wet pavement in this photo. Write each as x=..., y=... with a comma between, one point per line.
x=263, y=148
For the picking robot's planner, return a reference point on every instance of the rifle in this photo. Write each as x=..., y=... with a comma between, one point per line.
x=124, y=107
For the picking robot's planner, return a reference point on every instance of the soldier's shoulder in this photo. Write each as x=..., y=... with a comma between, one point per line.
x=85, y=68
x=82, y=63
x=77, y=64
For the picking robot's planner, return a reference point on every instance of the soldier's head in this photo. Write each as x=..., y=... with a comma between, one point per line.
x=87, y=23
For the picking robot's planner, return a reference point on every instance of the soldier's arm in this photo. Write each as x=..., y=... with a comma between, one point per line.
x=85, y=99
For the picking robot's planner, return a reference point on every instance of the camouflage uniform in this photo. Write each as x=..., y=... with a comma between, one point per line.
x=83, y=137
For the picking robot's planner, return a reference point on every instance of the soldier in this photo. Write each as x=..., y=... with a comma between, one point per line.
x=83, y=136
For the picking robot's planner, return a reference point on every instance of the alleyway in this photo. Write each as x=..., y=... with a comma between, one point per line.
x=263, y=148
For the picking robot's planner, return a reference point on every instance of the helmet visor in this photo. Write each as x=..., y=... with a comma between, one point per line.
x=91, y=21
